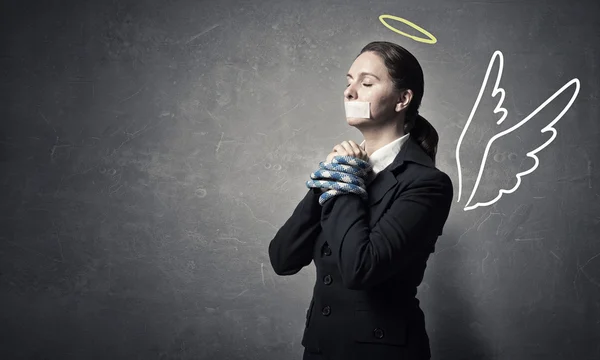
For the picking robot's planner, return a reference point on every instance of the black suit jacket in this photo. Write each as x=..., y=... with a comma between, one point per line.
x=370, y=256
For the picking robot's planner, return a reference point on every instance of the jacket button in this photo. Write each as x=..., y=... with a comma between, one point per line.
x=378, y=333
x=326, y=311
x=326, y=250
x=327, y=279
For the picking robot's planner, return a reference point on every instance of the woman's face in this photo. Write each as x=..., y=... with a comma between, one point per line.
x=369, y=81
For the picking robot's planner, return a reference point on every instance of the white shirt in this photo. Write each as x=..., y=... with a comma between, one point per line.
x=385, y=155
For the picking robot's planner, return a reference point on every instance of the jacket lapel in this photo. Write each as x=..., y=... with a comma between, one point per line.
x=386, y=179
x=382, y=183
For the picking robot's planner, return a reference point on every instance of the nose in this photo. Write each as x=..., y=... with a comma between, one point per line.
x=349, y=93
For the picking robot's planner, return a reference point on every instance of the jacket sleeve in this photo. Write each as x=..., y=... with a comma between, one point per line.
x=367, y=257
x=292, y=247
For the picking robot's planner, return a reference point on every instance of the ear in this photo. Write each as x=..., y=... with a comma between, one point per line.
x=404, y=99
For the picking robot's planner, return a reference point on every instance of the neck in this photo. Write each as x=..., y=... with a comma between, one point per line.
x=376, y=138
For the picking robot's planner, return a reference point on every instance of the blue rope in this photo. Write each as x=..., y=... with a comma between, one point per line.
x=343, y=175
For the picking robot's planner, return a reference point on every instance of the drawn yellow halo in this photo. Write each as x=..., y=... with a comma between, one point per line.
x=429, y=40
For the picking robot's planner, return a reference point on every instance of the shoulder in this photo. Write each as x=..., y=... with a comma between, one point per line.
x=422, y=173
x=429, y=177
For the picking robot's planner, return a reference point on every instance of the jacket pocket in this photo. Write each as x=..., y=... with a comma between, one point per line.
x=380, y=327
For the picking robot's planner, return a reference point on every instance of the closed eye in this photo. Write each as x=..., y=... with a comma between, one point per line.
x=367, y=85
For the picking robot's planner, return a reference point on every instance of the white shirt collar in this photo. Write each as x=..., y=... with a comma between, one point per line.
x=385, y=155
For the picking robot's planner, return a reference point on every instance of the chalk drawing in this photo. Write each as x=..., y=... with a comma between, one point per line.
x=499, y=109
x=429, y=40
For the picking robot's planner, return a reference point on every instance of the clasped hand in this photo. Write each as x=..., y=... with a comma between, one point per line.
x=348, y=148
x=345, y=175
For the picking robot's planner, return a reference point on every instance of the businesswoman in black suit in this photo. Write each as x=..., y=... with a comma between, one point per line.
x=370, y=253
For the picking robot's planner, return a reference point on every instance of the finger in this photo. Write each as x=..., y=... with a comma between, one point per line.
x=340, y=150
x=364, y=155
x=348, y=148
x=360, y=150
x=330, y=156
x=355, y=148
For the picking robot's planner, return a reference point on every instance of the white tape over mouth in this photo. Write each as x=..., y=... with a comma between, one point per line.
x=358, y=109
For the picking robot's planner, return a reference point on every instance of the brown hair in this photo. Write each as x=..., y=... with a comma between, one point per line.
x=406, y=73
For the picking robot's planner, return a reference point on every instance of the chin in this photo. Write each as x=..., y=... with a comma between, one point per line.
x=357, y=121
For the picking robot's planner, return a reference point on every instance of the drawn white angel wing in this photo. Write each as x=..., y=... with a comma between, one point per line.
x=497, y=90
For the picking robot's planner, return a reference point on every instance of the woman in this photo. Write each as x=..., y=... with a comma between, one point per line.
x=370, y=252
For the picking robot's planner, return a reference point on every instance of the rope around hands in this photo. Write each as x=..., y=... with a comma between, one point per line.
x=343, y=175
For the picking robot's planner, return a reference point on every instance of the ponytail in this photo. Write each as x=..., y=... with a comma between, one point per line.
x=424, y=133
